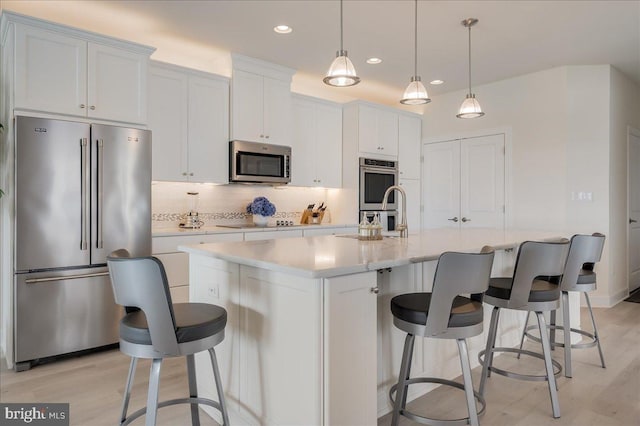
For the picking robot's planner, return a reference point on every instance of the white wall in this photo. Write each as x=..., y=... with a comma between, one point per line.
x=560, y=137
x=624, y=112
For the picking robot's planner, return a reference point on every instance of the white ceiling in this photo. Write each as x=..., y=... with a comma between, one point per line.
x=512, y=37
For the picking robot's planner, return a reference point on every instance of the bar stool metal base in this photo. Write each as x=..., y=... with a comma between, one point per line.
x=511, y=374
x=590, y=344
x=436, y=422
x=143, y=411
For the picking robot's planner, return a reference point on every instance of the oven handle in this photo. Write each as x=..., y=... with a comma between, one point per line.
x=386, y=170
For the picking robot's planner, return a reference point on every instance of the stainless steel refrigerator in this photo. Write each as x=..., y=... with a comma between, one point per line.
x=82, y=191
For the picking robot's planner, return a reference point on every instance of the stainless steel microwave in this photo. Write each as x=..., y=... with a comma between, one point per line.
x=253, y=162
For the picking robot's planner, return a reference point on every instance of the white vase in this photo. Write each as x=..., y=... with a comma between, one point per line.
x=260, y=220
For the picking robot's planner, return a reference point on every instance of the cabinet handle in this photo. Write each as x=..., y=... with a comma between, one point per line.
x=453, y=219
x=375, y=290
x=262, y=136
x=190, y=174
x=267, y=136
x=184, y=173
x=632, y=220
x=464, y=219
x=92, y=107
x=82, y=106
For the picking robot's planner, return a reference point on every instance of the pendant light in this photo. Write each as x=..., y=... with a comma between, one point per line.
x=470, y=107
x=341, y=72
x=415, y=93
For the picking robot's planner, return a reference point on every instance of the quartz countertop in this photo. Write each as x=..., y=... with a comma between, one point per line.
x=173, y=231
x=329, y=256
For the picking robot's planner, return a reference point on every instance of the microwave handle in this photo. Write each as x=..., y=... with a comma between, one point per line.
x=287, y=166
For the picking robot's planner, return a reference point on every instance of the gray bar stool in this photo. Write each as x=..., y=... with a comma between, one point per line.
x=443, y=314
x=155, y=328
x=526, y=292
x=585, y=251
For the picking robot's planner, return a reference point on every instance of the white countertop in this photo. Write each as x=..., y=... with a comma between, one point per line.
x=173, y=231
x=329, y=256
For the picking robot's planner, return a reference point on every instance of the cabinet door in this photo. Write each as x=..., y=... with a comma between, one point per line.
x=388, y=132
x=277, y=111
x=303, y=167
x=350, y=356
x=328, y=152
x=368, y=130
x=50, y=72
x=168, y=123
x=272, y=235
x=409, y=133
x=441, y=182
x=247, y=107
x=117, y=84
x=208, y=130
x=482, y=181
x=412, y=189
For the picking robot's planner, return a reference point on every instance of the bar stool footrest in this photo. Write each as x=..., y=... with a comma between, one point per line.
x=591, y=344
x=514, y=375
x=436, y=422
x=191, y=400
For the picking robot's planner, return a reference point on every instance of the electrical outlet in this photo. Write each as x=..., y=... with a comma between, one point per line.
x=214, y=291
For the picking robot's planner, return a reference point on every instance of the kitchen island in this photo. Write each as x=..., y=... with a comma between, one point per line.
x=310, y=339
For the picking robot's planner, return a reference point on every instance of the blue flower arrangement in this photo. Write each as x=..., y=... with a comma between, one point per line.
x=261, y=206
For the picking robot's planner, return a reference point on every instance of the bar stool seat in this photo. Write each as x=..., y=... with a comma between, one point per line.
x=414, y=308
x=155, y=328
x=541, y=291
x=194, y=321
x=444, y=314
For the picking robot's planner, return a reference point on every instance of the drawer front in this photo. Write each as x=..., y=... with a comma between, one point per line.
x=271, y=235
x=176, y=265
x=170, y=244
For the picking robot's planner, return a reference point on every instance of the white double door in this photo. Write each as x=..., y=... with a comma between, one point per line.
x=464, y=183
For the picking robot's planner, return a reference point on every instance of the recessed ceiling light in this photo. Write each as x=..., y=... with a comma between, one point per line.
x=282, y=29
x=374, y=61
x=436, y=82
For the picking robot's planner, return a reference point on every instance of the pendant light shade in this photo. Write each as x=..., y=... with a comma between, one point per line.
x=341, y=73
x=470, y=107
x=415, y=93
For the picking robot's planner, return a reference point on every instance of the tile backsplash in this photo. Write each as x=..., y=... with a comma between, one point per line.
x=225, y=204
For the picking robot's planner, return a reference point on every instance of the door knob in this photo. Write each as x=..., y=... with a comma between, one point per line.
x=464, y=219
x=632, y=220
x=454, y=219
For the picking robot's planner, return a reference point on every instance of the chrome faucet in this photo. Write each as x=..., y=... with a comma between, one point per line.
x=402, y=226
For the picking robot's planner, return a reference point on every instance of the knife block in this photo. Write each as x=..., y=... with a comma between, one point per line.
x=308, y=218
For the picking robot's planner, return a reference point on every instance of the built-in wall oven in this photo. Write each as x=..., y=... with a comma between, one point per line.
x=375, y=177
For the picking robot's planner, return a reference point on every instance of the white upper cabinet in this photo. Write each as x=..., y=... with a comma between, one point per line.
x=377, y=130
x=317, y=143
x=260, y=101
x=117, y=84
x=409, y=135
x=61, y=70
x=189, y=118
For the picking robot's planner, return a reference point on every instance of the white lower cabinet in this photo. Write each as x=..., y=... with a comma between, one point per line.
x=270, y=235
x=313, y=232
x=176, y=263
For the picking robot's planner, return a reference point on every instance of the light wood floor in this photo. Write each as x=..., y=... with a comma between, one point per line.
x=93, y=385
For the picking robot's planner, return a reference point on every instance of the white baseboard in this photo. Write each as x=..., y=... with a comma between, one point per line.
x=609, y=301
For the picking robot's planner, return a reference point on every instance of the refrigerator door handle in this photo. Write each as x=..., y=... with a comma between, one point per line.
x=100, y=142
x=64, y=277
x=84, y=221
